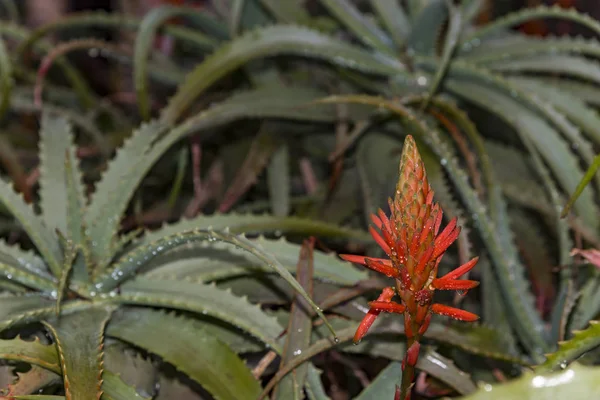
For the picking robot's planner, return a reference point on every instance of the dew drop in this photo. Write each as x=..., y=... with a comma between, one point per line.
x=487, y=387
x=336, y=339
x=563, y=364
x=297, y=352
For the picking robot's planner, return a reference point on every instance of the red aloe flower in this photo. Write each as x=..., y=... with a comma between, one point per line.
x=410, y=237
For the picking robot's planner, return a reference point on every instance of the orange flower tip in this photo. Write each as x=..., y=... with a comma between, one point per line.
x=354, y=259
x=455, y=313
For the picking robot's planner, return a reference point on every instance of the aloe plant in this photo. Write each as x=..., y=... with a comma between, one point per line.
x=506, y=125
x=87, y=280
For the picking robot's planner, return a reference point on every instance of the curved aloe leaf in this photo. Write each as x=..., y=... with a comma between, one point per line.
x=26, y=278
x=270, y=41
x=33, y=352
x=44, y=239
x=206, y=300
x=143, y=42
x=253, y=223
x=71, y=73
x=365, y=30
x=529, y=14
x=573, y=107
x=575, y=383
x=61, y=188
x=133, y=260
x=215, y=262
x=29, y=308
x=137, y=156
x=118, y=184
x=288, y=11
x=589, y=175
x=221, y=372
x=570, y=350
x=529, y=46
x=427, y=26
x=571, y=66
x=581, y=90
x=450, y=42
x=46, y=356
x=104, y=19
x=394, y=18
x=299, y=328
x=553, y=149
x=79, y=340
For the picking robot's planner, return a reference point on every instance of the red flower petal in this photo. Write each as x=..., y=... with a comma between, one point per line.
x=380, y=240
x=460, y=271
x=371, y=316
x=455, y=313
x=452, y=284
x=383, y=268
x=354, y=259
x=446, y=238
x=389, y=306
x=377, y=221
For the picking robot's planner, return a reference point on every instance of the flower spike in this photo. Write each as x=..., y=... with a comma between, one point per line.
x=412, y=240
